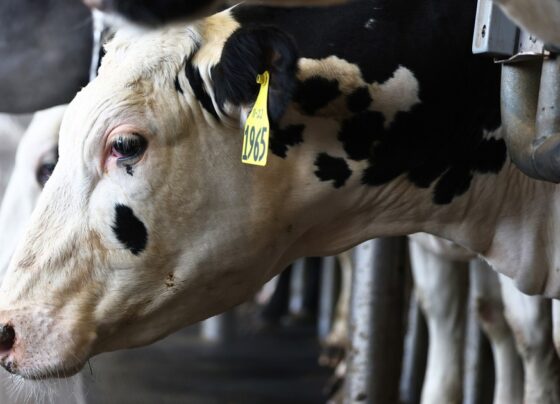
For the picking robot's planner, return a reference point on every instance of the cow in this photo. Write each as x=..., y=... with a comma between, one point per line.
x=21, y=182
x=510, y=319
x=151, y=222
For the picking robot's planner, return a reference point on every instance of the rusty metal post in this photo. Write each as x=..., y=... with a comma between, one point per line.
x=376, y=322
x=327, y=297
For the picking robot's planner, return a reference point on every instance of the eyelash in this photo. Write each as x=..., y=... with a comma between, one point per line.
x=128, y=148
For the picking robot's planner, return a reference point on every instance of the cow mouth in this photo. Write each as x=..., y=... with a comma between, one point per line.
x=56, y=372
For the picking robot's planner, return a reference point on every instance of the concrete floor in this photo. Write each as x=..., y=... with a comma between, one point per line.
x=270, y=366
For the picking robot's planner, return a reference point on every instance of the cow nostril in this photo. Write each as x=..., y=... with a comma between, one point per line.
x=7, y=337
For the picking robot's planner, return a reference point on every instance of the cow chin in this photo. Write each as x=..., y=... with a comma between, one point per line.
x=45, y=345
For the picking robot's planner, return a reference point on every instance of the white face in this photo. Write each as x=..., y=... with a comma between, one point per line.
x=35, y=159
x=149, y=221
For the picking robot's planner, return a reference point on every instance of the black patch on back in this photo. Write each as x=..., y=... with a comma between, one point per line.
x=359, y=100
x=440, y=142
x=281, y=139
x=178, y=85
x=197, y=84
x=315, y=93
x=358, y=133
x=332, y=169
x=129, y=230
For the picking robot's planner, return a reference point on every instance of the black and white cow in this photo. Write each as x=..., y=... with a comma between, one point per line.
x=383, y=123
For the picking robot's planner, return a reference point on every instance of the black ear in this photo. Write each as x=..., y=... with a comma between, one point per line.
x=250, y=51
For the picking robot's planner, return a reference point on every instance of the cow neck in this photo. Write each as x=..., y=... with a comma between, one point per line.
x=512, y=221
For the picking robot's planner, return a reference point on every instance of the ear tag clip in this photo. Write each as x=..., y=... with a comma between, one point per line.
x=257, y=127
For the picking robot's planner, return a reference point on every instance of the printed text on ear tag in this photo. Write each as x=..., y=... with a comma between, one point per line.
x=257, y=127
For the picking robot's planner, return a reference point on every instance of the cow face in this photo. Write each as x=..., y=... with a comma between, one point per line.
x=150, y=221
x=36, y=157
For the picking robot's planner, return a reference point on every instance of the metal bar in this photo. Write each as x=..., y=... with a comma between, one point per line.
x=220, y=328
x=494, y=33
x=376, y=325
x=98, y=28
x=556, y=324
x=297, y=289
x=327, y=298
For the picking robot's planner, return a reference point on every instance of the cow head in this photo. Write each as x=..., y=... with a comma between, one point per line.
x=150, y=221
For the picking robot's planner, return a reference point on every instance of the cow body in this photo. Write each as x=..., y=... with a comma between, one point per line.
x=382, y=121
x=510, y=319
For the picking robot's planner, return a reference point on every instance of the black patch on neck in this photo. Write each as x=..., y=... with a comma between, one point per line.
x=281, y=139
x=315, y=93
x=197, y=84
x=130, y=230
x=332, y=169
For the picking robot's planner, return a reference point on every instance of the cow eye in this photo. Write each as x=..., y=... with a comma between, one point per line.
x=44, y=172
x=128, y=147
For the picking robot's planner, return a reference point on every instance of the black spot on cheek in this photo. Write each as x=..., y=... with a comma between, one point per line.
x=129, y=170
x=130, y=230
x=332, y=169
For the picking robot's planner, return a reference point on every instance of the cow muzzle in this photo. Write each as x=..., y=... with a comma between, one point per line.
x=36, y=344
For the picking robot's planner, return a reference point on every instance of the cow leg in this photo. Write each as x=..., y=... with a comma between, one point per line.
x=338, y=336
x=442, y=293
x=530, y=320
x=485, y=289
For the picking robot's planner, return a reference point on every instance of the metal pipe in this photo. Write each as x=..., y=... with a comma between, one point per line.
x=327, y=298
x=376, y=322
x=297, y=289
x=531, y=116
x=98, y=28
x=220, y=328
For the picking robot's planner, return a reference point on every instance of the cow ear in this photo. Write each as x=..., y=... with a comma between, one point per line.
x=250, y=51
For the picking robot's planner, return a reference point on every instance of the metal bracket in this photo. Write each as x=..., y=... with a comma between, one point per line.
x=497, y=36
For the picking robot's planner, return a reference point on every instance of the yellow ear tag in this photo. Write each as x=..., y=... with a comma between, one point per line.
x=257, y=127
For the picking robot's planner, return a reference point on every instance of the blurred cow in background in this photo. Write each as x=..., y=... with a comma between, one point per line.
x=20, y=187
